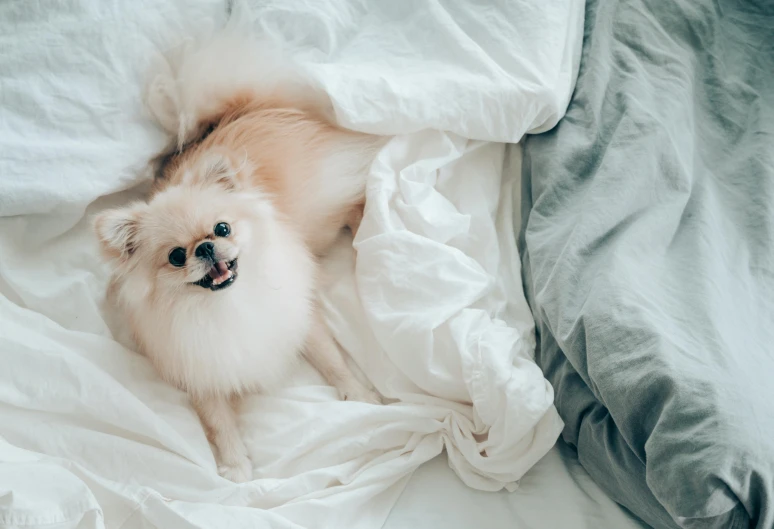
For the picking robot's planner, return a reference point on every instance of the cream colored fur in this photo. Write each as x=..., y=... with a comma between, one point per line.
x=255, y=150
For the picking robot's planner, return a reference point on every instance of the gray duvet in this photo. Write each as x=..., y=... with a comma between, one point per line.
x=648, y=248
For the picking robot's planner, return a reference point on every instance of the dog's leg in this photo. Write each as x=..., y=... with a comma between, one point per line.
x=324, y=354
x=220, y=421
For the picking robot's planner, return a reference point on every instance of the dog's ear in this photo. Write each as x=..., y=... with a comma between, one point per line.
x=217, y=169
x=117, y=231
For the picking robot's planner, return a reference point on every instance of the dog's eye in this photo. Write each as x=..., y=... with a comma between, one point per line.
x=177, y=257
x=222, y=229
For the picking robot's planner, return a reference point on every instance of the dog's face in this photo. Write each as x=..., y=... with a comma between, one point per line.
x=189, y=237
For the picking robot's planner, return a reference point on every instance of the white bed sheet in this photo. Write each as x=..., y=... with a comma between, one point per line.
x=432, y=311
x=557, y=493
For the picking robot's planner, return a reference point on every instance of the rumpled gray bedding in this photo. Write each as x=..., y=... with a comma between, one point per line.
x=648, y=251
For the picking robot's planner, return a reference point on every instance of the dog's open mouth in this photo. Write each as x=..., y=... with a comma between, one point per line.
x=221, y=275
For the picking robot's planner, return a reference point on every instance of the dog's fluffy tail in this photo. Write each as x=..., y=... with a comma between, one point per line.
x=199, y=83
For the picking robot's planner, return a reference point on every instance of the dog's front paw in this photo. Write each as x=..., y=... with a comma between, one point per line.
x=360, y=394
x=238, y=471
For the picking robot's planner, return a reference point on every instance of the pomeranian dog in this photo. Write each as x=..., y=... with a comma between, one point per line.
x=216, y=272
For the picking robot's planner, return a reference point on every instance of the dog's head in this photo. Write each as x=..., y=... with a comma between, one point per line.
x=189, y=237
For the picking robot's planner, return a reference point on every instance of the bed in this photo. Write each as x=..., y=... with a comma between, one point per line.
x=432, y=311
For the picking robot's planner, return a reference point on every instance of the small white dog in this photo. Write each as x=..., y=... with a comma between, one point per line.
x=216, y=272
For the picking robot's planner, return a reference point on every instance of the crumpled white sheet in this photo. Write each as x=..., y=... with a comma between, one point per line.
x=432, y=311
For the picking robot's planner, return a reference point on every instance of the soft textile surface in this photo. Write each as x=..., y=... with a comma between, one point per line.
x=650, y=259
x=556, y=493
x=433, y=310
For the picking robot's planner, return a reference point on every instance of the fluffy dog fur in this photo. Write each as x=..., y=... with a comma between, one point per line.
x=255, y=151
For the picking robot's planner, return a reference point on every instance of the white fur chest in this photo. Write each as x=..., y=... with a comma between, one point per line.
x=247, y=337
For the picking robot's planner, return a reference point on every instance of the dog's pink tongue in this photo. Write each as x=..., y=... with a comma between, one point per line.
x=219, y=270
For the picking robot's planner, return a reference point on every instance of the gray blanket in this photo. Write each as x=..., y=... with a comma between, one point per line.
x=648, y=248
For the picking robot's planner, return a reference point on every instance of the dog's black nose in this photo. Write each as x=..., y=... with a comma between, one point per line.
x=205, y=250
